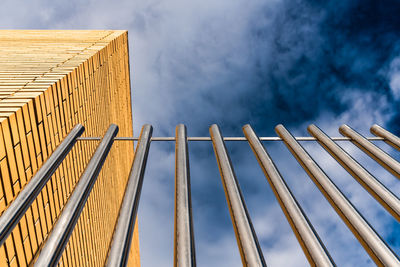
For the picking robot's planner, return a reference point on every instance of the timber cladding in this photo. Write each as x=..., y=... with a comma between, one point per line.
x=49, y=82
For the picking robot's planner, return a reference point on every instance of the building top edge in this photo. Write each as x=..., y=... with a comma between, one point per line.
x=33, y=61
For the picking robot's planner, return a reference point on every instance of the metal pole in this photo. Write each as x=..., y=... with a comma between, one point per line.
x=184, y=248
x=19, y=206
x=372, y=150
x=230, y=138
x=122, y=237
x=61, y=232
x=383, y=195
x=246, y=237
x=369, y=239
x=308, y=238
x=390, y=138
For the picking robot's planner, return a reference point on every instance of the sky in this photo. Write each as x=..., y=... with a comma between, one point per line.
x=259, y=62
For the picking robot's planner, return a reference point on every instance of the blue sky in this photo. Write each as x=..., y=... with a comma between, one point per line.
x=258, y=62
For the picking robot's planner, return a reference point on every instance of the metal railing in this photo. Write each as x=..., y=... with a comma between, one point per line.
x=10, y=218
x=249, y=248
x=61, y=232
x=123, y=232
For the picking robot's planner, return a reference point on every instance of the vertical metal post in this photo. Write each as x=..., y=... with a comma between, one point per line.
x=390, y=138
x=372, y=150
x=184, y=248
x=13, y=214
x=308, y=238
x=383, y=195
x=369, y=239
x=61, y=232
x=246, y=237
x=122, y=237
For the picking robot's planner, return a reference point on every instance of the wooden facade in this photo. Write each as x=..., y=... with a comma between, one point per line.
x=49, y=82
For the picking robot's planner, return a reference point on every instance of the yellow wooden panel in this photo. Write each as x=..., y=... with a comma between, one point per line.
x=42, y=216
x=14, y=262
x=16, y=188
x=20, y=165
x=39, y=159
x=22, y=133
x=51, y=202
x=3, y=257
x=38, y=109
x=43, y=141
x=14, y=128
x=28, y=250
x=32, y=153
x=48, y=215
x=9, y=245
x=35, y=211
x=68, y=254
x=2, y=147
x=38, y=230
x=34, y=125
x=28, y=173
x=19, y=246
x=9, y=196
x=10, y=151
x=24, y=228
x=57, y=202
x=46, y=128
x=73, y=243
x=2, y=205
x=31, y=229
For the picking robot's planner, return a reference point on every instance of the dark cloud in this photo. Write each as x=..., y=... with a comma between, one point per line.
x=320, y=51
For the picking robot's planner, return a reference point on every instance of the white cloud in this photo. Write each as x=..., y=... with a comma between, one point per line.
x=394, y=77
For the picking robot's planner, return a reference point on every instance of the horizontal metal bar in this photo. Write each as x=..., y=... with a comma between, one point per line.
x=59, y=236
x=308, y=238
x=122, y=237
x=382, y=194
x=375, y=246
x=250, y=250
x=184, y=248
x=12, y=215
x=380, y=156
x=198, y=138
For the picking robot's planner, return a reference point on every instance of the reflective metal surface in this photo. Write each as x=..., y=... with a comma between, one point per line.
x=184, y=247
x=246, y=237
x=122, y=237
x=230, y=138
x=309, y=240
x=382, y=194
x=369, y=239
x=390, y=138
x=10, y=218
x=372, y=150
x=61, y=232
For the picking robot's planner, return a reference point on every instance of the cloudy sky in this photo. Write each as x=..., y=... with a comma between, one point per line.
x=234, y=62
